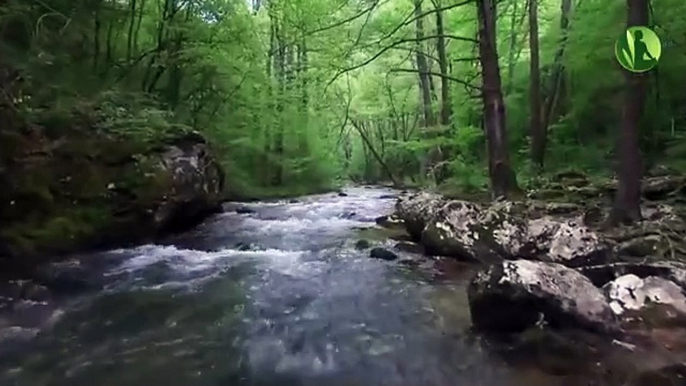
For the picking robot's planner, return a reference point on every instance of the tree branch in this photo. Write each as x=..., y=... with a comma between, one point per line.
x=456, y=80
x=345, y=21
x=409, y=19
x=392, y=45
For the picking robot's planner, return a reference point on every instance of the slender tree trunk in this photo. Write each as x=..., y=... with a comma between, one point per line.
x=503, y=180
x=132, y=24
x=443, y=65
x=512, y=47
x=304, y=100
x=141, y=11
x=268, y=126
x=96, y=36
x=557, y=88
x=362, y=130
x=627, y=207
x=423, y=67
x=280, y=63
x=538, y=132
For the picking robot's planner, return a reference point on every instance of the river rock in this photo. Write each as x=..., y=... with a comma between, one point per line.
x=452, y=230
x=630, y=294
x=409, y=247
x=600, y=275
x=502, y=231
x=68, y=277
x=362, y=244
x=95, y=189
x=194, y=188
x=417, y=209
x=469, y=232
x=567, y=242
x=244, y=210
x=515, y=295
x=388, y=221
x=383, y=254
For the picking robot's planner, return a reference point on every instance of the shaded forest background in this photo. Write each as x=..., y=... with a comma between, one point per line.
x=299, y=96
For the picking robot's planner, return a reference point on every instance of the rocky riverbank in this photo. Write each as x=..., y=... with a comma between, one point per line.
x=82, y=189
x=551, y=266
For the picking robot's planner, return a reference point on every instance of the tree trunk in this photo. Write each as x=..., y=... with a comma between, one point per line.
x=96, y=36
x=627, y=207
x=557, y=88
x=304, y=98
x=538, y=132
x=280, y=71
x=443, y=64
x=423, y=67
x=362, y=130
x=129, y=37
x=511, y=52
x=503, y=180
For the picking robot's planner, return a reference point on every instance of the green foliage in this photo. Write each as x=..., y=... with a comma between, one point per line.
x=297, y=96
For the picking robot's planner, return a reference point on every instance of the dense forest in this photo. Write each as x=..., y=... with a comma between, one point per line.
x=301, y=96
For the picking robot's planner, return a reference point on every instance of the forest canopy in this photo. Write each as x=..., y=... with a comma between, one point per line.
x=299, y=95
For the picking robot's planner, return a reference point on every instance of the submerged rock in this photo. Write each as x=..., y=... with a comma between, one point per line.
x=244, y=210
x=389, y=221
x=383, y=254
x=68, y=277
x=362, y=244
x=515, y=295
x=410, y=247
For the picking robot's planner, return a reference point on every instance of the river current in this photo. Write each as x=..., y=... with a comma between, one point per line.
x=278, y=296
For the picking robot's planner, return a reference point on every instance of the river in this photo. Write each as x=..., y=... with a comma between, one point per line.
x=276, y=297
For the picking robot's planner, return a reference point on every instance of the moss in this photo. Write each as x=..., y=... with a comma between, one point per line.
x=67, y=230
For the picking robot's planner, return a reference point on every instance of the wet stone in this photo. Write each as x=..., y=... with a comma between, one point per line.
x=362, y=244
x=383, y=254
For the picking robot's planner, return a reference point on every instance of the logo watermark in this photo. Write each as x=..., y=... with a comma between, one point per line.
x=638, y=50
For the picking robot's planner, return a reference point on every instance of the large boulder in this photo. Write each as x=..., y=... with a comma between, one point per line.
x=515, y=295
x=194, y=183
x=600, y=275
x=452, y=231
x=647, y=297
x=80, y=189
x=467, y=231
x=647, y=294
x=503, y=230
x=567, y=242
x=417, y=209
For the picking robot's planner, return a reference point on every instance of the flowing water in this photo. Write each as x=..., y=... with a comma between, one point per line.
x=277, y=297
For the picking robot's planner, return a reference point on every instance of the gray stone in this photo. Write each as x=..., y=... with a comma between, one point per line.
x=383, y=254
x=515, y=295
x=632, y=293
x=417, y=209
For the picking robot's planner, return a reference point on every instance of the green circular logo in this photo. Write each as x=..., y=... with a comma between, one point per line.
x=638, y=50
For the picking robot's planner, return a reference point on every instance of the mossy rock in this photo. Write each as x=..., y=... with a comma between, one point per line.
x=65, y=231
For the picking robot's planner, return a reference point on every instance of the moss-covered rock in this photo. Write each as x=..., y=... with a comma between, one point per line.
x=92, y=188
